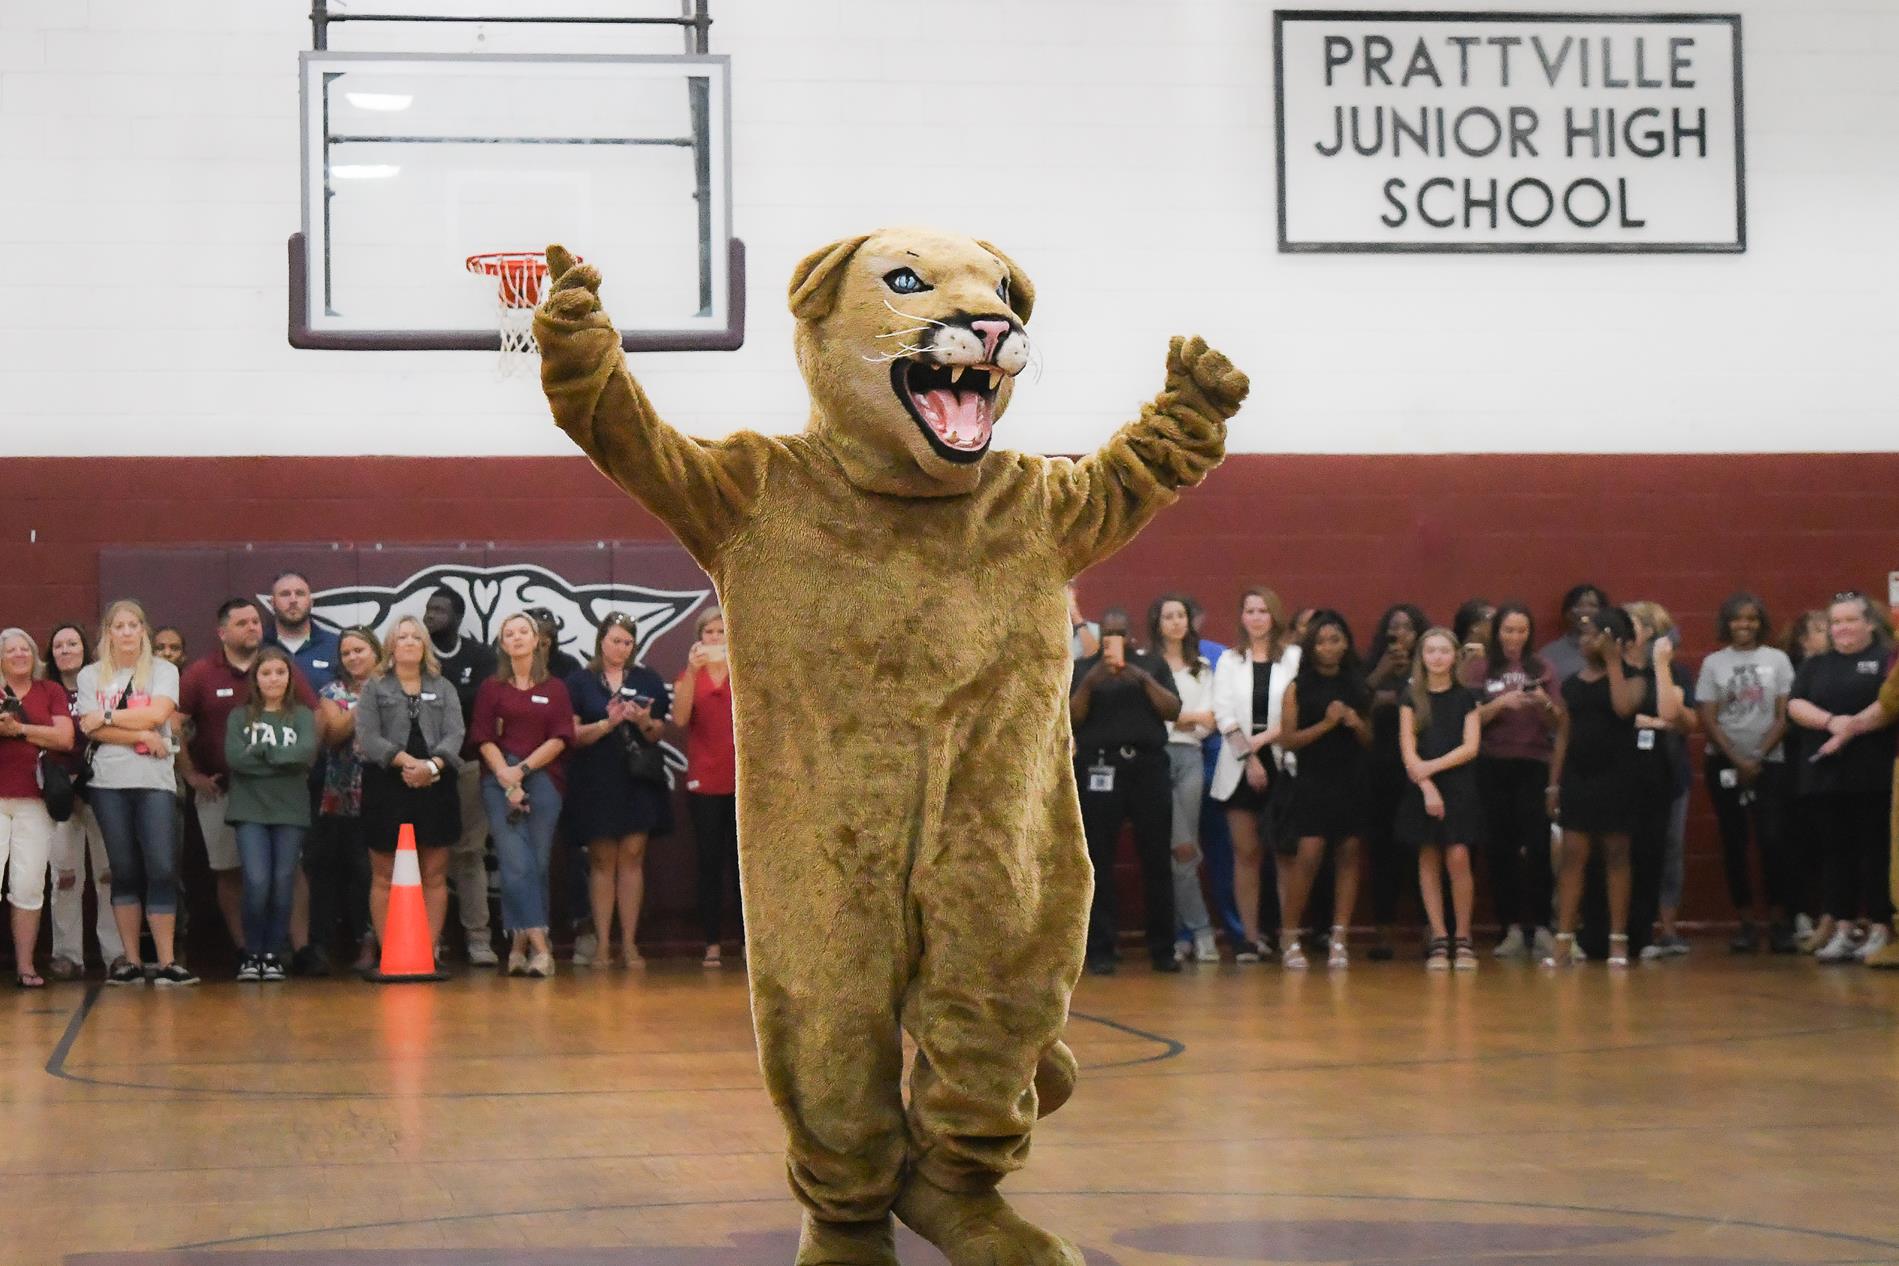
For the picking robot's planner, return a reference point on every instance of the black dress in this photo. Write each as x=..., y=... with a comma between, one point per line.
x=1602, y=780
x=435, y=811
x=1328, y=793
x=1462, y=822
x=604, y=801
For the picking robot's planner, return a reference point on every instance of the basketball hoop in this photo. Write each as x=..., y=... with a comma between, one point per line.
x=518, y=277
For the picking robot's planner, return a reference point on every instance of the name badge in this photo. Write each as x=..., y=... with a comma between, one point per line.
x=225, y=692
x=1101, y=778
x=1645, y=740
x=427, y=697
x=1493, y=687
x=628, y=692
x=1869, y=667
x=319, y=663
x=537, y=698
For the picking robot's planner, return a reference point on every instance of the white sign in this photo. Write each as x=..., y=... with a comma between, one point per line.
x=1500, y=132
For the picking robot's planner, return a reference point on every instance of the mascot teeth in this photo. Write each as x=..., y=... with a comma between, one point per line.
x=956, y=374
x=955, y=409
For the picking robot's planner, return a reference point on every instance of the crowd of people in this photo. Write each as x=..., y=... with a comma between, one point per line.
x=1561, y=769
x=306, y=755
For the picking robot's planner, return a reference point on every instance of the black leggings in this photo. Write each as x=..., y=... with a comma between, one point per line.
x=1854, y=826
x=715, y=835
x=336, y=864
x=1518, y=839
x=1762, y=808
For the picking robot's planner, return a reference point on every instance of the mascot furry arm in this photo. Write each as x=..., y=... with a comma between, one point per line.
x=900, y=671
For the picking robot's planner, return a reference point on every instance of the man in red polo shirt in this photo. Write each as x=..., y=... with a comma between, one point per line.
x=211, y=689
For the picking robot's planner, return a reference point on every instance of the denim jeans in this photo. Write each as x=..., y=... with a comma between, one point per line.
x=141, y=843
x=524, y=849
x=269, y=856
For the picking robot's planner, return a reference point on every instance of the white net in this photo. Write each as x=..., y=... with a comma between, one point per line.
x=516, y=277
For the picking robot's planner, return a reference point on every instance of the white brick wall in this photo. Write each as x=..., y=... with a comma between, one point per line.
x=148, y=180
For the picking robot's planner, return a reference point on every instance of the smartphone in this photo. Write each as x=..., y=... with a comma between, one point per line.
x=714, y=654
x=1114, y=648
x=645, y=701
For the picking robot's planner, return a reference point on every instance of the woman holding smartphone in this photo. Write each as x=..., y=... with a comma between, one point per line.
x=1249, y=688
x=1595, y=782
x=702, y=707
x=619, y=712
x=1327, y=727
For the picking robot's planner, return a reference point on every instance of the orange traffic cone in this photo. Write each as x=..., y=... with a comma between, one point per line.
x=408, y=953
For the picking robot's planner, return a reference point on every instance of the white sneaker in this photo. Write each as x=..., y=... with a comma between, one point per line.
x=481, y=952
x=1205, y=949
x=1841, y=948
x=1545, y=945
x=1877, y=938
x=1511, y=946
x=1803, y=930
x=586, y=945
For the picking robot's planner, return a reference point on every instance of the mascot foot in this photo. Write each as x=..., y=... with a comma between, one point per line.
x=979, y=1228
x=847, y=1243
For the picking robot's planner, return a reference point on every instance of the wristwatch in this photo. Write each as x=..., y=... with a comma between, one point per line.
x=108, y=716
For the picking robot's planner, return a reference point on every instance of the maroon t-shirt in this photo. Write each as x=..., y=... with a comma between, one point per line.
x=19, y=759
x=518, y=721
x=1523, y=734
x=210, y=690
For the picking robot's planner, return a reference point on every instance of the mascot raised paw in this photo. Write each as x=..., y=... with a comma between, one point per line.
x=910, y=838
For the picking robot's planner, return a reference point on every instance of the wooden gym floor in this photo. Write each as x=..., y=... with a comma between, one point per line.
x=1696, y=1113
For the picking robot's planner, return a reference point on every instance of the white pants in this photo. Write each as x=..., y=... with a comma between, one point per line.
x=468, y=863
x=74, y=840
x=26, y=842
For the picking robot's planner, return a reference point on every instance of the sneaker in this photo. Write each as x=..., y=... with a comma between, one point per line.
x=250, y=968
x=1250, y=953
x=1664, y=947
x=1747, y=939
x=1618, y=949
x=125, y=972
x=1803, y=932
x=274, y=969
x=1463, y=954
x=1512, y=945
x=586, y=949
x=1336, y=956
x=1166, y=964
x=714, y=957
x=1183, y=951
x=1543, y=947
x=1877, y=938
x=1205, y=948
x=1564, y=952
x=481, y=952
x=173, y=975
x=1841, y=948
x=1437, y=954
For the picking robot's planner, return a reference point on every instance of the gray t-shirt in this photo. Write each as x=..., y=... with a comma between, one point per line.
x=114, y=765
x=1744, y=686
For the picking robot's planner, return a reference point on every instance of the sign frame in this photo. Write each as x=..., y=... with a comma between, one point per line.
x=1287, y=247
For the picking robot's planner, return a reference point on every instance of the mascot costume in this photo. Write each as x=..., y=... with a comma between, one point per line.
x=911, y=851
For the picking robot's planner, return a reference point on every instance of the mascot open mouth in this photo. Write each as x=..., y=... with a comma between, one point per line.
x=954, y=405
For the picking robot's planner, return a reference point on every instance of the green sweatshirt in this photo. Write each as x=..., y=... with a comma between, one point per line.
x=270, y=766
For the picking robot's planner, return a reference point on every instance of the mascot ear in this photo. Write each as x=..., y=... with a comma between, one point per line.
x=1021, y=289
x=814, y=281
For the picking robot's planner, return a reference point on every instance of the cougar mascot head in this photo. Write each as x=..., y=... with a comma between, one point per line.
x=910, y=341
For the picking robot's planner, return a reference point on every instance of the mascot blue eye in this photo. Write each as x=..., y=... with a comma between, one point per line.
x=905, y=282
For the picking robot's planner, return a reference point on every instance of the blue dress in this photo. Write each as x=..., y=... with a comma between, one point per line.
x=604, y=801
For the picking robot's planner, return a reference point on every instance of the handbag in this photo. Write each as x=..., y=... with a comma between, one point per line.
x=644, y=761
x=55, y=781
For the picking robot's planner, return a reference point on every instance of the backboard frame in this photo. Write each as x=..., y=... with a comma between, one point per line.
x=312, y=326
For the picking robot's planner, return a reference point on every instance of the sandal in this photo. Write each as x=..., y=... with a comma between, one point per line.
x=713, y=957
x=1337, y=956
x=1292, y=958
x=1463, y=954
x=1618, y=949
x=1564, y=952
x=29, y=980
x=1437, y=954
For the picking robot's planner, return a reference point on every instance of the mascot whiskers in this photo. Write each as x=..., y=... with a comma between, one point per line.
x=910, y=837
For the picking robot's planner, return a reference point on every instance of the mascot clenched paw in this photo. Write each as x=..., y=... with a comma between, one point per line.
x=910, y=837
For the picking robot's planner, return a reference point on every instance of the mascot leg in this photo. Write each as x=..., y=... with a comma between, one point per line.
x=830, y=953
x=1002, y=894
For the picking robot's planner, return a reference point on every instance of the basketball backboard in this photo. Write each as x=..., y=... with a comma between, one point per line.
x=412, y=162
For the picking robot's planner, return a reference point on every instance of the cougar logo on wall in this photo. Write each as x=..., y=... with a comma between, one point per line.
x=495, y=593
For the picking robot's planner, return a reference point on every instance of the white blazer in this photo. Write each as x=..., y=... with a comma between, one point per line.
x=1233, y=709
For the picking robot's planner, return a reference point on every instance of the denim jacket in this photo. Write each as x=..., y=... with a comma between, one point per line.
x=382, y=720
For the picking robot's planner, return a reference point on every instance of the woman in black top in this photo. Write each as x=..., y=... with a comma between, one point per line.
x=1472, y=626
x=1851, y=782
x=1805, y=637
x=1324, y=721
x=1594, y=779
x=612, y=807
x=1441, y=813
x=1389, y=667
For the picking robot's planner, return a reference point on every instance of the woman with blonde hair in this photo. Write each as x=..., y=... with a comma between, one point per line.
x=126, y=700
x=409, y=740
x=702, y=707
x=1666, y=717
x=1440, y=812
x=33, y=720
x=524, y=723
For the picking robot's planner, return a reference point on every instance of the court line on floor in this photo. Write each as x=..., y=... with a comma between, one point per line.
x=1844, y=1237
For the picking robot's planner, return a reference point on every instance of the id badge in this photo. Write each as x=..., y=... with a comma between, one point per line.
x=1645, y=740
x=1730, y=778
x=1101, y=777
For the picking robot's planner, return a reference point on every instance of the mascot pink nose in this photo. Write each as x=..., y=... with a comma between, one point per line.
x=993, y=332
